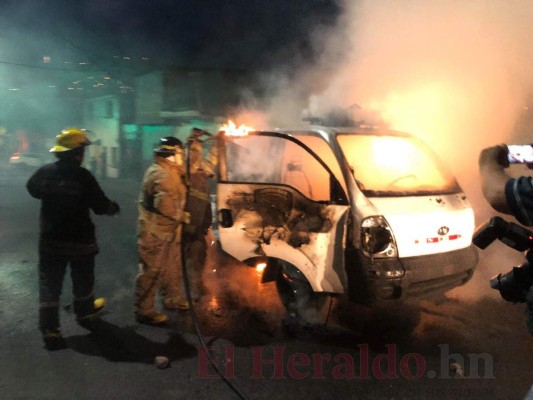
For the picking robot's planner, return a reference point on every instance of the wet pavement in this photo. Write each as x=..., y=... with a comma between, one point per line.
x=466, y=347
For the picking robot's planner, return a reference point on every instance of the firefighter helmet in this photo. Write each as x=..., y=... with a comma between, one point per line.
x=168, y=146
x=70, y=139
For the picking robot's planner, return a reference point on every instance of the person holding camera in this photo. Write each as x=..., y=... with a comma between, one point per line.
x=512, y=196
x=508, y=195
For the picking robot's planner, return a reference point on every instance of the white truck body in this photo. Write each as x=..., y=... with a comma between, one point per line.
x=372, y=215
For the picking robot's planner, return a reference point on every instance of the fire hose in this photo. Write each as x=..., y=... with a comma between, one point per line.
x=186, y=283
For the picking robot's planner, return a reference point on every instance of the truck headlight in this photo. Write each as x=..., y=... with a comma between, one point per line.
x=377, y=240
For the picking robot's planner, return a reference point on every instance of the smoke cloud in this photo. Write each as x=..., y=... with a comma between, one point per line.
x=456, y=74
x=451, y=73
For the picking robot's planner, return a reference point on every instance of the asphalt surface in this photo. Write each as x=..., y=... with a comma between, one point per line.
x=468, y=346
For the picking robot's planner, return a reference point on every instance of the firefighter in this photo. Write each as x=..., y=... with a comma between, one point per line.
x=159, y=230
x=200, y=170
x=67, y=236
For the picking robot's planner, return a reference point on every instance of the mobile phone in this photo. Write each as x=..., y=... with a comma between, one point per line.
x=520, y=154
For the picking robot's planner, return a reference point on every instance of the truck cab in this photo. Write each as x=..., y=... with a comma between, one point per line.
x=368, y=214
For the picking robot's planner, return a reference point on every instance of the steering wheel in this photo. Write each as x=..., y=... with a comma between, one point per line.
x=400, y=178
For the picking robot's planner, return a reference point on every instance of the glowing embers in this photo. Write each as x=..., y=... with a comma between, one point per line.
x=214, y=305
x=230, y=129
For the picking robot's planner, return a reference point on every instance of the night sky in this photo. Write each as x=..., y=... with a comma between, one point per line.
x=65, y=48
x=209, y=33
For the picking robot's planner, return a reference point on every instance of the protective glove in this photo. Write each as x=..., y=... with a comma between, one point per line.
x=198, y=133
x=183, y=217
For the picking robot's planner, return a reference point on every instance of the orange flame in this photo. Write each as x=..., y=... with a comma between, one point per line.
x=230, y=129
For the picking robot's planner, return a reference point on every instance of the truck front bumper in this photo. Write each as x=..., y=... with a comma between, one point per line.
x=414, y=277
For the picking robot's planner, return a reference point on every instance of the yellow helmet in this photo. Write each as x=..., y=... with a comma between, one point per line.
x=168, y=145
x=70, y=139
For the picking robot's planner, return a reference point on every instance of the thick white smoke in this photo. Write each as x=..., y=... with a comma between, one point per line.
x=453, y=73
x=457, y=74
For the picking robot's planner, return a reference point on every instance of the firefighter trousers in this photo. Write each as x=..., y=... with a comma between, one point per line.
x=52, y=268
x=195, y=248
x=159, y=269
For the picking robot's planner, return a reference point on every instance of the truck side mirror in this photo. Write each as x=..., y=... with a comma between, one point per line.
x=225, y=218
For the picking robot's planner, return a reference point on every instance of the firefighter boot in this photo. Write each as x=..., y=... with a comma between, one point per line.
x=53, y=340
x=89, y=321
x=176, y=303
x=155, y=318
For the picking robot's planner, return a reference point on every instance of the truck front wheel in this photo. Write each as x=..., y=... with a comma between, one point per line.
x=297, y=295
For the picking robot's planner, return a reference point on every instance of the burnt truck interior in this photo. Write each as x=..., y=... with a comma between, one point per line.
x=279, y=199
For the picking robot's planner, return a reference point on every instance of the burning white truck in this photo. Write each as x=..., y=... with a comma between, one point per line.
x=367, y=214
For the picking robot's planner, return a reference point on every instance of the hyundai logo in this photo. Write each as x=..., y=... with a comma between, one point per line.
x=443, y=230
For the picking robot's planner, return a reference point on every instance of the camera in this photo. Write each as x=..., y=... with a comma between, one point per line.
x=514, y=284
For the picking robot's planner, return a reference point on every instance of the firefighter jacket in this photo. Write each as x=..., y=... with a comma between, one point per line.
x=199, y=202
x=162, y=201
x=67, y=192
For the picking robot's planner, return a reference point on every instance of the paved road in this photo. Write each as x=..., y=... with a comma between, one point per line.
x=411, y=353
